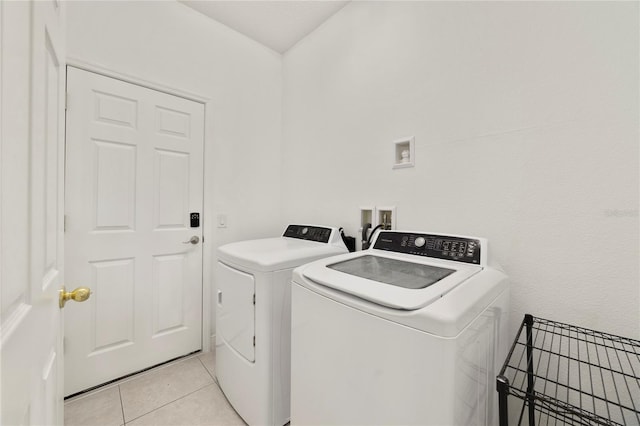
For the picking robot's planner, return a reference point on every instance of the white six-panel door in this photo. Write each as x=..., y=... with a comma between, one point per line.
x=134, y=175
x=31, y=241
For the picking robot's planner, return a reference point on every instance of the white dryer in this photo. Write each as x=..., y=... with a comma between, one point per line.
x=253, y=318
x=411, y=331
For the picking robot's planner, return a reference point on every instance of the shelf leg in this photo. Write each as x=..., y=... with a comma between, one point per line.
x=502, y=384
x=528, y=319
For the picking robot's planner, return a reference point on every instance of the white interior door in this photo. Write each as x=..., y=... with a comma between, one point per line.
x=134, y=176
x=31, y=241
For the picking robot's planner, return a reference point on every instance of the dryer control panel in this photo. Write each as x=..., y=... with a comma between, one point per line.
x=310, y=233
x=460, y=249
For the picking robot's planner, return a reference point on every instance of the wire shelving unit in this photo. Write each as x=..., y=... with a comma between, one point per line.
x=560, y=374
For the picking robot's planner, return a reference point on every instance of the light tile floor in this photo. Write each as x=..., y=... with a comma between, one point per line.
x=183, y=393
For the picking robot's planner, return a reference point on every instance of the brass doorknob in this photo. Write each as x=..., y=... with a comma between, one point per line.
x=80, y=294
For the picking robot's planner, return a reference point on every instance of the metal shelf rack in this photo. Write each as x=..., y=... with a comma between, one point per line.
x=561, y=374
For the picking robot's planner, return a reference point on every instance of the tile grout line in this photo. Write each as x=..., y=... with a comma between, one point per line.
x=170, y=402
x=122, y=407
x=209, y=372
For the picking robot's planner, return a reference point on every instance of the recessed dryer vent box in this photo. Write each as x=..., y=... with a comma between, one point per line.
x=404, y=152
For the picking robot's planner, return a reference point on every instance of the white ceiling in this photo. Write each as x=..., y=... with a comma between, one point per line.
x=276, y=24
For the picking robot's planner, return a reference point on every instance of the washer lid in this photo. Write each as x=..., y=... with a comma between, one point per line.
x=395, y=272
x=393, y=280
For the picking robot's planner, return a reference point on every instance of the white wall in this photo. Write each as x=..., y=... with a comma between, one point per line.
x=171, y=44
x=525, y=116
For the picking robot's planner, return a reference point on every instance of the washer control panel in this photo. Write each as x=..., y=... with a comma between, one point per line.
x=460, y=249
x=310, y=233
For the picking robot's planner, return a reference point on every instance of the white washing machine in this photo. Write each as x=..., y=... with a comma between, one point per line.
x=409, y=332
x=253, y=318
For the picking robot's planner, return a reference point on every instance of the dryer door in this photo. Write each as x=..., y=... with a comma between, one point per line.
x=235, y=313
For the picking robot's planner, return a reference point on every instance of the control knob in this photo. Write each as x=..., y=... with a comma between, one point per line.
x=419, y=242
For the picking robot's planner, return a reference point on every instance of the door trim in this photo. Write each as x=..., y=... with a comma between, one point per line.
x=208, y=187
x=128, y=78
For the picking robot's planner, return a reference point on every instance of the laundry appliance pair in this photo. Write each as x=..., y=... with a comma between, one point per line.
x=410, y=331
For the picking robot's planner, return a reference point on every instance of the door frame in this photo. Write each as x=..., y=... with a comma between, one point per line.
x=207, y=223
